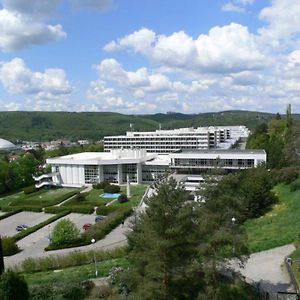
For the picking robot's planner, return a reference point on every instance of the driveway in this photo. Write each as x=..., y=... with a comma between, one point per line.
x=8, y=225
x=266, y=269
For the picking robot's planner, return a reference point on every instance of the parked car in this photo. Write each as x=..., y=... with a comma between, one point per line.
x=21, y=227
x=86, y=226
x=99, y=218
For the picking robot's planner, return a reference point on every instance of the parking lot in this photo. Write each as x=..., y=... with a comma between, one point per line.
x=8, y=225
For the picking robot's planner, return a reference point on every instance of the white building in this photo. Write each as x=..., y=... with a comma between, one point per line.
x=186, y=161
x=168, y=141
x=92, y=167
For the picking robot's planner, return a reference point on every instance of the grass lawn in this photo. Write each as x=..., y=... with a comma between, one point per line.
x=75, y=273
x=94, y=199
x=278, y=227
x=41, y=198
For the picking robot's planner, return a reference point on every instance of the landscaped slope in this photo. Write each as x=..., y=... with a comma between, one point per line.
x=278, y=227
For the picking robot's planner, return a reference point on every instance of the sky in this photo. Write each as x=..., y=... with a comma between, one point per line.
x=149, y=56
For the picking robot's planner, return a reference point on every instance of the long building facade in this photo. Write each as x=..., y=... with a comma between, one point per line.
x=84, y=169
x=168, y=141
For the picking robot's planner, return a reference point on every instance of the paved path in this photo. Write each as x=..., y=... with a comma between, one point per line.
x=38, y=241
x=267, y=268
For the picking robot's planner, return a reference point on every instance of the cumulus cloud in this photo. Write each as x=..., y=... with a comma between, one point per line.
x=283, y=19
x=230, y=48
x=229, y=6
x=22, y=24
x=92, y=4
x=50, y=86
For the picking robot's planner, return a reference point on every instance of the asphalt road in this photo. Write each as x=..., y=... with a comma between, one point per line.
x=8, y=225
x=34, y=244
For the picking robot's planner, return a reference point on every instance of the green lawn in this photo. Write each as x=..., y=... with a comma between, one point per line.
x=75, y=273
x=94, y=199
x=278, y=227
x=41, y=198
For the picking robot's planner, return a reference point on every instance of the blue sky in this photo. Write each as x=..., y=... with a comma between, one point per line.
x=153, y=56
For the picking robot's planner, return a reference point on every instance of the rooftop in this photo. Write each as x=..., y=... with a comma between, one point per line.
x=222, y=151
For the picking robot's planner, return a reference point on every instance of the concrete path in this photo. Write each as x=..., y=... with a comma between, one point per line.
x=266, y=269
x=115, y=238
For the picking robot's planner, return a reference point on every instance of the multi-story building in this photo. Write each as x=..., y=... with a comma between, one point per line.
x=93, y=167
x=168, y=141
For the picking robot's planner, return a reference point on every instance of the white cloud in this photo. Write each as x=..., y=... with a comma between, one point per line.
x=92, y=4
x=229, y=6
x=36, y=8
x=51, y=85
x=283, y=18
x=22, y=24
x=227, y=49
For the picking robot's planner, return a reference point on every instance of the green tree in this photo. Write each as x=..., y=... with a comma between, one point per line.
x=164, y=248
x=13, y=287
x=64, y=233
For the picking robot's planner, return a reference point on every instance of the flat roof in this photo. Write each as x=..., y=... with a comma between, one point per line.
x=222, y=151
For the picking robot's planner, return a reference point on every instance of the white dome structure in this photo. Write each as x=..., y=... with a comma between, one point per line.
x=6, y=145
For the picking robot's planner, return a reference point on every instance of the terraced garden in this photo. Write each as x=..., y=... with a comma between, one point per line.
x=36, y=200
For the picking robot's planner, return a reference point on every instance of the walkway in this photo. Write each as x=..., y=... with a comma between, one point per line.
x=267, y=268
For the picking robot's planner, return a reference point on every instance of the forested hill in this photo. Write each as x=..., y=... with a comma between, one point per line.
x=53, y=125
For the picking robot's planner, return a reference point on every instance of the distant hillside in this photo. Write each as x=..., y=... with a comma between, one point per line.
x=54, y=125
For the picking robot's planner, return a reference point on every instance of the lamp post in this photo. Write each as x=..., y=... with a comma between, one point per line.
x=96, y=270
x=233, y=219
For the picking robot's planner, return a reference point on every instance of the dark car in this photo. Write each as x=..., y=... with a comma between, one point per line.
x=86, y=226
x=99, y=218
x=21, y=227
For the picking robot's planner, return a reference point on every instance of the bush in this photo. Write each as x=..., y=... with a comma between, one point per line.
x=57, y=209
x=106, y=210
x=79, y=197
x=112, y=188
x=101, y=185
x=65, y=232
x=295, y=185
x=122, y=198
x=21, y=208
x=9, y=246
x=29, y=189
x=286, y=175
x=71, y=291
x=13, y=287
x=75, y=258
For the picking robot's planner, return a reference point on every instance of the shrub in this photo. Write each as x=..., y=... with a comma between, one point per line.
x=286, y=175
x=79, y=197
x=57, y=209
x=75, y=258
x=13, y=287
x=65, y=232
x=295, y=185
x=122, y=198
x=101, y=185
x=9, y=246
x=21, y=208
x=112, y=188
x=29, y=189
x=106, y=210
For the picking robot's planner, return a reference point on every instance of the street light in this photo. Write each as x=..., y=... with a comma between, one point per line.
x=96, y=271
x=233, y=220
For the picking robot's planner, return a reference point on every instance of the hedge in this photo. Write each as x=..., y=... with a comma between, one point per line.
x=32, y=229
x=22, y=208
x=112, y=188
x=99, y=230
x=11, y=213
x=72, y=259
x=106, y=210
x=81, y=209
x=29, y=189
